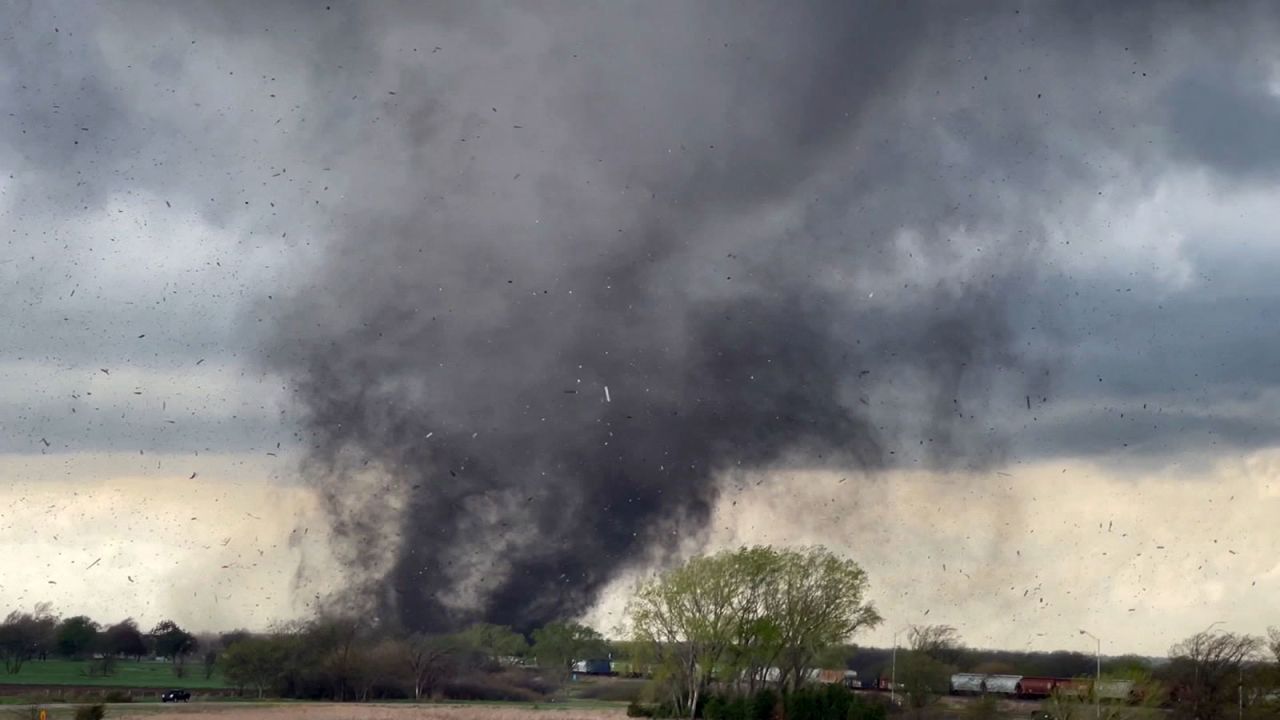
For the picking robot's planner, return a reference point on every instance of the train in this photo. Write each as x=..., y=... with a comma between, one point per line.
x=1032, y=687
x=1027, y=687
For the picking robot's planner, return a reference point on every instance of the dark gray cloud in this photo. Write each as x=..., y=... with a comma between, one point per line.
x=1225, y=118
x=779, y=234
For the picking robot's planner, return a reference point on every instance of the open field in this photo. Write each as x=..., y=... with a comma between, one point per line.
x=343, y=711
x=145, y=674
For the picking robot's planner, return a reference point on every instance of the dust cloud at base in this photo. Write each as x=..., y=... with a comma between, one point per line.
x=114, y=536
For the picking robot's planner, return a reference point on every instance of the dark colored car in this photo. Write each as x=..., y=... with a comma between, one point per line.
x=176, y=696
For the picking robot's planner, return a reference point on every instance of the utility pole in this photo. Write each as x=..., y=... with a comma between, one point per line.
x=1240, y=693
x=1097, y=678
x=893, y=677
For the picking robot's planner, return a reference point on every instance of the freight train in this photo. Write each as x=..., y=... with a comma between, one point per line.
x=1028, y=687
x=1032, y=687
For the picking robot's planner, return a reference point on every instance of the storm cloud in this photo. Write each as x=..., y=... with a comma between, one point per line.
x=524, y=282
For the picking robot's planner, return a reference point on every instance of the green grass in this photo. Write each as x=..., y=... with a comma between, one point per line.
x=145, y=674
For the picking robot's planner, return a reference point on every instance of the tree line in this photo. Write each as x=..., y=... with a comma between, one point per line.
x=40, y=634
x=350, y=658
x=1208, y=676
x=720, y=634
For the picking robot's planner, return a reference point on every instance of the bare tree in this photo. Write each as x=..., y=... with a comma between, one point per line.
x=940, y=642
x=1207, y=668
x=1273, y=642
x=430, y=659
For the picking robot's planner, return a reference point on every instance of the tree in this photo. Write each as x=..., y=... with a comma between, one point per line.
x=1273, y=642
x=20, y=636
x=76, y=636
x=254, y=662
x=497, y=642
x=430, y=659
x=940, y=642
x=816, y=600
x=174, y=643
x=124, y=639
x=924, y=679
x=686, y=621
x=557, y=645
x=756, y=614
x=377, y=665
x=227, y=639
x=1206, y=668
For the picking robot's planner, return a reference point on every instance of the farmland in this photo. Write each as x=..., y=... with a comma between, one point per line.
x=127, y=673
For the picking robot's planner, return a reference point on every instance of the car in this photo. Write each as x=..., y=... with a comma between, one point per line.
x=176, y=696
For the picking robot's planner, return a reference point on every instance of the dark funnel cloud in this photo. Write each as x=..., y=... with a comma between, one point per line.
x=586, y=263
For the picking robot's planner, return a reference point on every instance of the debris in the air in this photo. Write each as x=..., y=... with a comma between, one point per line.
x=166, y=204
x=46, y=442
x=105, y=371
x=606, y=394
x=193, y=476
x=95, y=562
x=200, y=361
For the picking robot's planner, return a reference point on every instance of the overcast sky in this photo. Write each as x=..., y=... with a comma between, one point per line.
x=192, y=193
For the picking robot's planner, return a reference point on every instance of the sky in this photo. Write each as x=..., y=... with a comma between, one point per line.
x=978, y=296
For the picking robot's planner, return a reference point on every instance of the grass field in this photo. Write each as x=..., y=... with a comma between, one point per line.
x=344, y=711
x=145, y=674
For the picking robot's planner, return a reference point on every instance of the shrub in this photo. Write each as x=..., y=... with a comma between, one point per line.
x=635, y=709
x=982, y=708
x=764, y=706
x=862, y=709
x=91, y=712
x=612, y=690
x=117, y=696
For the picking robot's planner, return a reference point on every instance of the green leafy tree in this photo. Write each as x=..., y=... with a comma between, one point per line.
x=496, y=642
x=557, y=645
x=686, y=620
x=76, y=636
x=816, y=600
x=227, y=639
x=254, y=663
x=923, y=678
x=20, y=637
x=124, y=639
x=753, y=615
x=174, y=643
